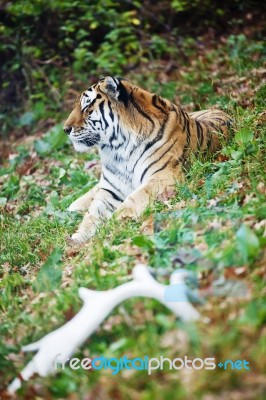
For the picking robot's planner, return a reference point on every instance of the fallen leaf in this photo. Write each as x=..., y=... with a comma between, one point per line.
x=147, y=226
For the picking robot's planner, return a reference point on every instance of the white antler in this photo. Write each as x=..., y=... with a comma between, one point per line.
x=97, y=305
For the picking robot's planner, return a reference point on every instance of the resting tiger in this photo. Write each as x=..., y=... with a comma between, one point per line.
x=143, y=141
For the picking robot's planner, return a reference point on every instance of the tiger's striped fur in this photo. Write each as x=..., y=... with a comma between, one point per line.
x=143, y=142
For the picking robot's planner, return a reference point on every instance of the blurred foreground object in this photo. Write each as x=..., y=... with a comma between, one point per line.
x=97, y=305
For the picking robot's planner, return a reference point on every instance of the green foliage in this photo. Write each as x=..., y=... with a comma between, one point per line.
x=218, y=239
x=44, y=45
x=261, y=97
x=243, y=136
x=11, y=186
x=50, y=274
x=55, y=139
x=214, y=225
x=248, y=242
x=241, y=52
x=10, y=283
x=143, y=242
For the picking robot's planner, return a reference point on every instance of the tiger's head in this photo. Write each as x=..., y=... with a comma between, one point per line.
x=110, y=108
x=94, y=117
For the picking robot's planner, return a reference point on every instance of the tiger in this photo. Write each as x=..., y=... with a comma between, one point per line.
x=144, y=141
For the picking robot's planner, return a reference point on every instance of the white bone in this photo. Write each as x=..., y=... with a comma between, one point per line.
x=61, y=343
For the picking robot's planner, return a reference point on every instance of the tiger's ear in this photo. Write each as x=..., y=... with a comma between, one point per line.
x=110, y=86
x=115, y=89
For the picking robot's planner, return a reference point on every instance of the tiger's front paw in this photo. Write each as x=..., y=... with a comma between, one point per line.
x=81, y=237
x=127, y=213
x=86, y=229
x=77, y=205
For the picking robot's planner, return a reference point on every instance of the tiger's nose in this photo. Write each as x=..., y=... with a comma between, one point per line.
x=67, y=129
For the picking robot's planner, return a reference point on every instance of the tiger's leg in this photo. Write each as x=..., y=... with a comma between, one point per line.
x=83, y=202
x=136, y=203
x=101, y=208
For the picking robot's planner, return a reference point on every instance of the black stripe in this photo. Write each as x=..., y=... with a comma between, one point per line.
x=127, y=143
x=219, y=119
x=162, y=101
x=114, y=187
x=182, y=112
x=200, y=115
x=185, y=123
x=209, y=142
x=158, y=148
x=160, y=169
x=111, y=111
x=186, y=128
x=89, y=105
x=132, y=151
x=155, y=140
x=113, y=137
x=179, y=160
x=111, y=206
x=94, y=122
x=115, y=80
x=118, y=146
x=212, y=124
x=101, y=106
x=199, y=134
x=154, y=99
x=113, y=194
x=154, y=162
x=123, y=94
x=138, y=108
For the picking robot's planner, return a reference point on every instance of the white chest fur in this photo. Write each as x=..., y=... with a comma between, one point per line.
x=122, y=167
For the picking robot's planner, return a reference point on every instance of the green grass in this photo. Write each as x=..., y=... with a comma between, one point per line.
x=216, y=216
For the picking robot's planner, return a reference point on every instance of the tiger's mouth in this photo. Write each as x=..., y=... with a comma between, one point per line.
x=83, y=144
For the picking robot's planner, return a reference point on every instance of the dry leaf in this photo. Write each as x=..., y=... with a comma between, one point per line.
x=147, y=226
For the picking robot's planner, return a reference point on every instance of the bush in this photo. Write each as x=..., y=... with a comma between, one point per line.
x=44, y=42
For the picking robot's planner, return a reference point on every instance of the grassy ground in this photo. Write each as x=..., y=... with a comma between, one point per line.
x=215, y=225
